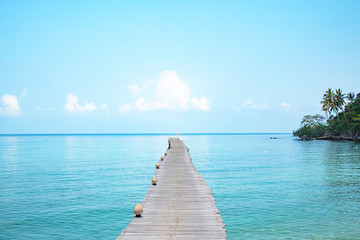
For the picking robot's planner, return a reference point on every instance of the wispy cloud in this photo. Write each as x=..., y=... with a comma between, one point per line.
x=9, y=105
x=124, y=108
x=235, y=108
x=201, y=103
x=251, y=105
x=170, y=93
x=44, y=109
x=141, y=105
x=134, y=89
x=72, y=105
x=285, y=106
x=24, y=93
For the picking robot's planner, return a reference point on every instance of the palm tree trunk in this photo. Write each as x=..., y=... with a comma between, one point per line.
x=337, y=114
x=347, y=122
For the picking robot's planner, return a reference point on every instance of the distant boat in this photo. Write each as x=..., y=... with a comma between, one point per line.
x=178, y=134
x=272, y=137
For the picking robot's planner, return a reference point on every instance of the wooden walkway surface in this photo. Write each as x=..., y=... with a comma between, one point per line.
x=180, y=206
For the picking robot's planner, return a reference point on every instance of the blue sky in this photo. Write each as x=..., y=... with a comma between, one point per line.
x=172, y=66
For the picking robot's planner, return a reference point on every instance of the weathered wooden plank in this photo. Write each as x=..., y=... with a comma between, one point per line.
x=181, y=205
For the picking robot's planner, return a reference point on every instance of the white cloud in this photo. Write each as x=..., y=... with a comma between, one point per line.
x=89, y=107
x=134, y=89
x=124, y=108
x=171, y=93
x=172, y=90
x=248, y=104
x=141, y=105
x=235, y=108
x=24, y=93
x=285, y=106
x=161, y=105
x=263, y=106
x=103, y=107
x=44, y=109
x=72, y=105
x=201, y=103
x=10, y=105
x=150, y=81
x=251, y=105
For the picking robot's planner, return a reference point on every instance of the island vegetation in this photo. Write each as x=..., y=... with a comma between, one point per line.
x=341, y=120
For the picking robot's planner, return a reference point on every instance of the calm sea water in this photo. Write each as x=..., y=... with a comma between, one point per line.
x=85, y=186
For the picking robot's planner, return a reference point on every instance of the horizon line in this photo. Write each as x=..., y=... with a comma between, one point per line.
x=189, y=133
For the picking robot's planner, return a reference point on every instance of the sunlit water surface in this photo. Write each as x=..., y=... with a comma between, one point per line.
x=86, y=186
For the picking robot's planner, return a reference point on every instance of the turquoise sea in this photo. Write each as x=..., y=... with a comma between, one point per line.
x=86, y=186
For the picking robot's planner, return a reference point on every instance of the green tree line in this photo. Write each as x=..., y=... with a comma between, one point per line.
x=341, y=121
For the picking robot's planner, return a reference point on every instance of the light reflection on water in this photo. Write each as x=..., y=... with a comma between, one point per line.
x=283, y=188
x=77, y=187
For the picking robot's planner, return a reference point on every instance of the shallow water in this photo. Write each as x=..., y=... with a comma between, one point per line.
x=85, y=186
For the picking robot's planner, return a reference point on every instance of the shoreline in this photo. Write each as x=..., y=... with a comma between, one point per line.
x=353, y=139
x=333, y=138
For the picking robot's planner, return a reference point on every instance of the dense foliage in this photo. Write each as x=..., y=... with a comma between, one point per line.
x=312, y=126
x=342, y=118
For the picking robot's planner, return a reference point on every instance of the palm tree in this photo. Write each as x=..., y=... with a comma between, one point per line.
x=339, y=98
x=326, y=103
x=340, y=103
x=351, y=97
x=326, y=109
x=330, y=103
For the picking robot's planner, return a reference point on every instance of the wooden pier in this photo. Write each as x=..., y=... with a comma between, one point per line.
x=180, y=205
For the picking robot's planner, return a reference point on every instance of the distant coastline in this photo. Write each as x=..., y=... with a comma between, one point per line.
x=341, y=121
x=129, y=134
x=334, y=138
